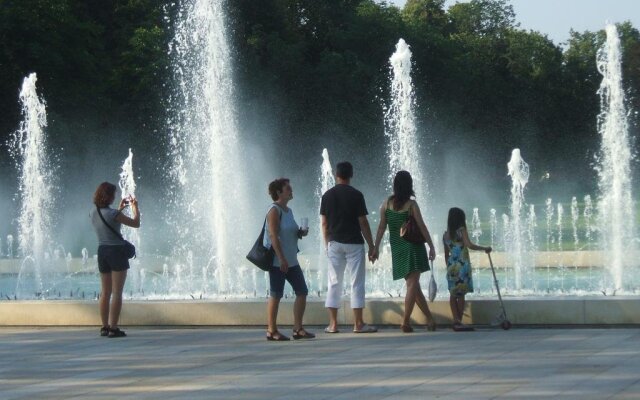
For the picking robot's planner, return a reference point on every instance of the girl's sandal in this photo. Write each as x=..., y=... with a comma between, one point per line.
x=302, y=334
x=276, y=336
x=104, y=331
x=116, y=332
x=431, y=326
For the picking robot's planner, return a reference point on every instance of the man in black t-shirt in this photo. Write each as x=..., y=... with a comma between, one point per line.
x=344, y=223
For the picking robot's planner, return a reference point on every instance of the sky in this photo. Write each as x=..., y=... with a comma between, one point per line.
x=556, y=17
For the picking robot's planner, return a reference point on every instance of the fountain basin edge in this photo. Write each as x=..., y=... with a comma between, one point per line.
x=520, y=311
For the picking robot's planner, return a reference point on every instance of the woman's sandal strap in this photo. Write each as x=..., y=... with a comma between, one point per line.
x=116, y=332
x=303, y=335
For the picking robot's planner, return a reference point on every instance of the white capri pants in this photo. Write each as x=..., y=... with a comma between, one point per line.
x=340, y=256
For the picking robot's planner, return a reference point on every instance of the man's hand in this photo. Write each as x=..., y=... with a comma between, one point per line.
x=373, y=254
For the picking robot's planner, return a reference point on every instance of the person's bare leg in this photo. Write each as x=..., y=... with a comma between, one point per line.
x=460, y=308
x=453, y=303
x=410, y=298
x=272, y=314
x=105, y=297
x=118, y=278
x=421, y=301
x=333, y=318
x=358, y=321
x=298, y=311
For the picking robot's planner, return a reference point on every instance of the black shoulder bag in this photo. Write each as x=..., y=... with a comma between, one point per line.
x=130, y=248
x=259, y=255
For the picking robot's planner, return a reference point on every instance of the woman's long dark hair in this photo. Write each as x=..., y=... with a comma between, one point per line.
x=402, y=189
x=455, y=221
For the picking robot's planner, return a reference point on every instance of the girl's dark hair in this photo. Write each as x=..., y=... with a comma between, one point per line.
x=402, y=189
x=104, y=195
x=455, y=221
x=277, y=186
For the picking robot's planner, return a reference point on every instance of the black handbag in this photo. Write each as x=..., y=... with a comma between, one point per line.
x=129, y=247
x=259, y=255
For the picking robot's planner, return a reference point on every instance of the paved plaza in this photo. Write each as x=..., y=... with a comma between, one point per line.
x=237, y=363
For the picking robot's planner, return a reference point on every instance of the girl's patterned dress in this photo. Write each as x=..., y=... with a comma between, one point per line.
x=458, y=265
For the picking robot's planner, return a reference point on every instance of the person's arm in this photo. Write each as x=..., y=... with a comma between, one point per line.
x=470, y=245
x=446, y=251
x=382, y=226
x=273, y=219
x=415, y=211
x=366, y=233
x=325, y=230
x=125, y=220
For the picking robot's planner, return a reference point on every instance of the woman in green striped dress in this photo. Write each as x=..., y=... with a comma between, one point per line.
x=408, y=259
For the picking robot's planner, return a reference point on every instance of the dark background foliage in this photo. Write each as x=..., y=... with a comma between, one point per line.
x=483, y=84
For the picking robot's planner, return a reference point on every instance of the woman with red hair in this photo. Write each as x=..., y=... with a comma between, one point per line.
x=113, y=258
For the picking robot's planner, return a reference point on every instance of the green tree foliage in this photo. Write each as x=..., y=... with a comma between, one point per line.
x=317, y=66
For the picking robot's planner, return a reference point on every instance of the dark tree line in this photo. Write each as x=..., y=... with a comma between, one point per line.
x=321, y=66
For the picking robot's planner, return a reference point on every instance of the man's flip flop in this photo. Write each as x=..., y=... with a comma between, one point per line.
x=366, y=329
x=327, y=330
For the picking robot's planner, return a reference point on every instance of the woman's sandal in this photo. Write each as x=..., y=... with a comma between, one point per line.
x=302, y=334
x=406, y=328
x=276, y=336
x=116, y=332
x=431, y=326
x=104, y=331
x=460, y=327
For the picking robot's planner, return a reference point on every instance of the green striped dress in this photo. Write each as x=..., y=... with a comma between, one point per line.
x=406, y=257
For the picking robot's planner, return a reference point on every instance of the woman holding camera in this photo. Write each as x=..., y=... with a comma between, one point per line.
x=113, y=258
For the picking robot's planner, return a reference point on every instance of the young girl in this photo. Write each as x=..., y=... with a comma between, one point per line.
x=456, y=253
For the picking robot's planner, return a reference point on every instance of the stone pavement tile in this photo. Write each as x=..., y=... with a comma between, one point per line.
x=630, y=392
x=239, y=364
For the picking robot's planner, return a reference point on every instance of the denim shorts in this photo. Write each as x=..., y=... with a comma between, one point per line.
x=295, y=278
x=112, y=258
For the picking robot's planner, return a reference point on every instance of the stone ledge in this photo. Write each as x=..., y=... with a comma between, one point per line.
x=526, y=311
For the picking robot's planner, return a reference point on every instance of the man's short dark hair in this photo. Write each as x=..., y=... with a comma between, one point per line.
x=344, y=170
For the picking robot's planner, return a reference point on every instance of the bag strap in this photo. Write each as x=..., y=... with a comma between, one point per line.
x=265, y=218
x=109, y=226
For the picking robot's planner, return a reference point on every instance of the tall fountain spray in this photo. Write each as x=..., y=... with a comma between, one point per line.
x=615, y=208
x=518, y=170
x=208, y=200
x=35, y=187
x=325, y=182
x=127, y=185
x=404, y=147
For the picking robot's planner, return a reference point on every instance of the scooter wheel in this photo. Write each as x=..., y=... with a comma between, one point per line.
x=506, y=325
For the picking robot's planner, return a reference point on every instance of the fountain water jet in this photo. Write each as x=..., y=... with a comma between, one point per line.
x=615, y=206
x=518, y=170
x=404, y=149
x=209, y=210
x=325, y=182
x=127, y=185
x=35, y=187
